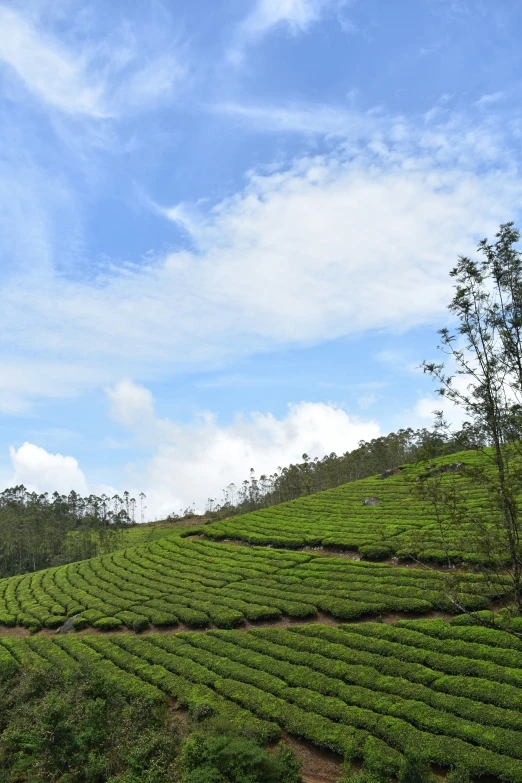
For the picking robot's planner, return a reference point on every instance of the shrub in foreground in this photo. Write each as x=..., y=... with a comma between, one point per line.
x=222, y=759
x=73, y=728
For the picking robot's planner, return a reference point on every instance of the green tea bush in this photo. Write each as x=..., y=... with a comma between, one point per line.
x=107, y=623
x=226, y=618
x=415, y=769
x=375, y=551
x=458, y=775
x=7, y=619
x=381, y=760
x=200, y=705
x=79, y=623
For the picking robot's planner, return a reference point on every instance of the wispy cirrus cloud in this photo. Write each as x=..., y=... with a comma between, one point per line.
x=97, y=79
x=323, y=119
x=360, y=237
x=46, y=68
x=297, y=16
x=485, y=101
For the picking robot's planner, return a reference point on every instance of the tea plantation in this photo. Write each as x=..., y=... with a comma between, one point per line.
x=362, y=688
x=400, y=524
x=199, y=583
x=453, y=691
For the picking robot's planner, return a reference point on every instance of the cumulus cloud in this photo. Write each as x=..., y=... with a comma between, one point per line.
x=40, y=471
x=194, y=462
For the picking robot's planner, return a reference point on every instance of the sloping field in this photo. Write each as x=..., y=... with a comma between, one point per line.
x=450, y=690
x=200, y=583
x=401, y=524
x=454, y=691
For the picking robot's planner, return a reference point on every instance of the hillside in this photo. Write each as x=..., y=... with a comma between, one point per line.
x=294, y=639
x=400, y=524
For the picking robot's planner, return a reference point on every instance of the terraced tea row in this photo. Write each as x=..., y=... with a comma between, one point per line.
x=200, y=583
x=452, y=691
x=401, y=524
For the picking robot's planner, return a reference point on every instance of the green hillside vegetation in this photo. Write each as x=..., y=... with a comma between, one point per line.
x=38, y=531
x=402, y=524
x=452, y=691
x=200, y=583
x=311, y=476
x=370, y=691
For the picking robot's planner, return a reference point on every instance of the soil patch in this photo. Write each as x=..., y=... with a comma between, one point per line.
x=319, y=765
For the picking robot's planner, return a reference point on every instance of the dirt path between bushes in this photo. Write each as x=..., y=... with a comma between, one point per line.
x=284, y=622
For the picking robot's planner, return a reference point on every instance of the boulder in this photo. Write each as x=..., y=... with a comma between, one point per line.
x=390, y=472
x=454, y=467
x=68, y=625
x=372, y=501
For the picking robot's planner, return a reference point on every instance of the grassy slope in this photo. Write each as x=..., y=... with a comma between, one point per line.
x=401, y=524
x=452, y=690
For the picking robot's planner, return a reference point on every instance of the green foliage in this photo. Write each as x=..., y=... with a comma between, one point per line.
x=107, y=623
x=371, y=691
x=200, y=704
x=37, y=531
x=458, y=775
x=202, y=583
x=375, y=551
x=362, y=776
x=415, y=769
x=308, y=477
x=72, y=728
x=226, y=759
x=79, y=623
x=380, y=760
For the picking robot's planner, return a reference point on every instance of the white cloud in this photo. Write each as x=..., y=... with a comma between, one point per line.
x=296, y=15
x=358, y=238
x=40, y=471
x=488, y=100
x=98, y=81
x=424, y=412
x=303, y=118
x=194, y=462
x=46, y=68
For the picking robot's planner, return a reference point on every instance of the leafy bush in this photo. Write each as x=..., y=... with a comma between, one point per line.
x=79, y=623
x=458, y=775
x=200, y=704
x=380, y=760
x=54, y=622
x=375, y=551
x=73, y=728
x=7, y=619
x=227, y=618
x=222, y=759
x=415, y=769
x=107, y=623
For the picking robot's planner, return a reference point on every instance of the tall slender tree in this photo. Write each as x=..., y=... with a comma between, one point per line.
x=484, y=353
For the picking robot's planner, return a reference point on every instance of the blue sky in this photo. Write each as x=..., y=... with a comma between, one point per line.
x=226, y=228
